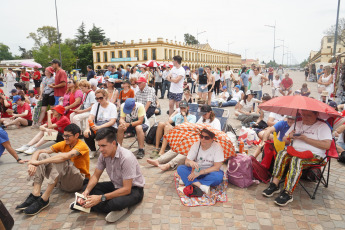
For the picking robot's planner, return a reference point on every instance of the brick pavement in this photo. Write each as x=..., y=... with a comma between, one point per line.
x=162, y=209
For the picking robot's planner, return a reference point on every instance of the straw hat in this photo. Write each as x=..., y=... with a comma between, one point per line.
x=324, y=94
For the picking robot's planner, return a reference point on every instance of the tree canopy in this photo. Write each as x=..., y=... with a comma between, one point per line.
x=82, y=37
x=190, y=39
x=97, y=35
x=84, y=55
x=5, y=53
x=341, y=31
x=46, y=35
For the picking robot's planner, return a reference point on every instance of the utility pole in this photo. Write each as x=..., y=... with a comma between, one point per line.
x=274, y=37
x=57, y=27
x=283, y=50
x=336, y=33
x=197, y=48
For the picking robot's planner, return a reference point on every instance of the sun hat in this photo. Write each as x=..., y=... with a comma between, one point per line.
x=60, y=109
x=324, y=93
x=250, y=92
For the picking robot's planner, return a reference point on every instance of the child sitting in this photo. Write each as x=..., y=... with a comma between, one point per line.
x=304, y=90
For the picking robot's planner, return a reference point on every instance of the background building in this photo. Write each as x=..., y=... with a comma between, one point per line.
x=130, y=54
x=324, y=55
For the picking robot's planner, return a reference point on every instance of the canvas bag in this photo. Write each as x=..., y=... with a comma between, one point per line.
x=259, y=171
x=240, y=171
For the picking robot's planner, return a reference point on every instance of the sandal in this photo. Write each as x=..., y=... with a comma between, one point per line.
x=154, y=154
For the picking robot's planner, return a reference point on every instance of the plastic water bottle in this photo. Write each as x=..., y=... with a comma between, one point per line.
x=197, y=171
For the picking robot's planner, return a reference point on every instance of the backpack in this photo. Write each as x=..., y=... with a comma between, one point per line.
x=260, y=172
x=342, y=157
x=151, y=136
x=240, y=171
x=268, y=156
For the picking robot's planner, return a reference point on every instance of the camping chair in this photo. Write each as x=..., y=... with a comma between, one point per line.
x=147, y=131
x=193, y=108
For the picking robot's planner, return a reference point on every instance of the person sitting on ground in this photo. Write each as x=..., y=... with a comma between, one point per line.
x=275, y=84
x=187, y=96
x=158, y=108
x=126, y=186
x=6, y=145
x=81, y=114
x=112, y=91
x=236, y=96
x=208, y=117
x=22, y=93
x=325, y=97
x=222, y=98
x=134, y=85
x=281, y=127
x=127, y=92
x=67, y=169
x=56, y=124
x=165, y=127
x=6, y=110
x=261, y=123
x=23, y=116
x=72, y=98
x=146, y=96
x=206, y=156
x=309, y=134
x=13, y=93
x=133, y=120
x=94, y=83
x=245, y=111
x=103, y=114
x=273, y=118
x=305, y=91
x=286, y=85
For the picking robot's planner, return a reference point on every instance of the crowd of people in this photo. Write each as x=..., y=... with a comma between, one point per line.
x=106, y=108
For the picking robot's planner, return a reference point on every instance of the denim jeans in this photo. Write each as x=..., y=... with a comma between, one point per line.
x=56, y=100
x=166, y=86
x=258, y=94
x=228, y=83
x=210, y=179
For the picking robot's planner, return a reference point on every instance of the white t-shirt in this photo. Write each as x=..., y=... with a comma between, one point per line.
x=222, y=95
x=249, y=105
x=177, y=87
x=89, y=100
x=206, y=158
x=214, y=124
x=276, y=83
x=227, y=74
x=216, y=76
x=33, y=100
x=104, y=114
x=11, y=76
x=277, y=117
x=134, y=75
x=136, y=89
x=237, y=96
x=318, y=131
x=256, y=83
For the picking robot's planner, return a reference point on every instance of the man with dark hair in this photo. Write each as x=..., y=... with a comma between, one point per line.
x=66, y=170
x=176, y=77
x=60, y=85
x=126, y=186
x=90, y=73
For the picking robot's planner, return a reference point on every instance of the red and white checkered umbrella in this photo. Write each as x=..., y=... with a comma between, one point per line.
x=182, y=137
x=151, y=63
x=165, y=65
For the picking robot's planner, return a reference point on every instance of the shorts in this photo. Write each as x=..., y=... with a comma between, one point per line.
x=175, y=96
x=270, y=77
x=132, y=129
x=48, y=100
x=29, y=122
x=209, y=89
x=201, y=90
x=37, y=83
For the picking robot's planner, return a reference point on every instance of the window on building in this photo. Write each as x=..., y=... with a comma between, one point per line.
x=153, y=54
x=113, y=54
x=165, y=54
x=328, y=47
x=170, y=54
x=98, y=57
x=329, y=40
x=120, y=54
x=128, y=53
x=105, y=56
x=145, y=55
x=136, y=54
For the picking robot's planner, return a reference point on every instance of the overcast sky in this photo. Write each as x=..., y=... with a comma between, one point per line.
x=301, y=23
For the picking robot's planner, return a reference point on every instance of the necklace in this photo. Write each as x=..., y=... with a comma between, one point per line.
x=304, y=131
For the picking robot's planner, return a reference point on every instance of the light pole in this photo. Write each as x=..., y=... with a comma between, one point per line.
x=336, y=33
x=197, y=48
x=274, y=37
x=57, y=27
x=283, y=50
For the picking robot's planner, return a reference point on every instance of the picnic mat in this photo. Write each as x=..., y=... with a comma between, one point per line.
x=217, y=194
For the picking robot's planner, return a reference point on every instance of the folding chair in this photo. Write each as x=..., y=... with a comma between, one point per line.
x=147, y=131
x=193, y=109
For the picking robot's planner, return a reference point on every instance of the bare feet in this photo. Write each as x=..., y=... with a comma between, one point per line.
x=153, y=162
x=164, y=167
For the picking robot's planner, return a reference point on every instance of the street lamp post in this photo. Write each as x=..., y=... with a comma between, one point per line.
x=274, y=37
x=197, y=48
x=283, y=50
x=57, y=27
x=336, y=33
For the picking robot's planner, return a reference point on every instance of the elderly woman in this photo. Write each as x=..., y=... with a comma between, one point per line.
x=83, y=111
x=72, y=98
x=203, y=162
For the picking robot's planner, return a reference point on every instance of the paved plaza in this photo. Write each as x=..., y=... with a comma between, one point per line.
x=161, y=207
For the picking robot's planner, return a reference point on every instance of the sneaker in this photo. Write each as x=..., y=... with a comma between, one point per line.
x=205, y=189
x=36, y=207
x=31, y=150
x=116, y=215
x=220, y=104
x=30, y=200
x=23, y=148
x=271, y=190
x=283, y=199
x=140, y=154
x=71, y=206
x=154, y=154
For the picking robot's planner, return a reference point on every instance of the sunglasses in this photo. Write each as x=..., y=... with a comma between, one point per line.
x=205, y=137
x=99, y=98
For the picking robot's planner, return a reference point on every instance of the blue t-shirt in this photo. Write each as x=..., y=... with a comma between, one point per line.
x=178, y=118
x=319, y=72
x=107, y=74
x=90, y=75
x=3, y=138
x=281, y=127
x=245, y=78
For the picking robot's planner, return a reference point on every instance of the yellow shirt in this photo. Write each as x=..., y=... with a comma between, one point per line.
x=82, y=161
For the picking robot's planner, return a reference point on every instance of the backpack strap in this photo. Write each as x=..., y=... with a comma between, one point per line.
x=97, y=112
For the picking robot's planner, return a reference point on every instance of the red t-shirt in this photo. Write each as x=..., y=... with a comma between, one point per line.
x=21, y=109
x=60, y=76
x=24, y=78
x=5, y=114
x=1, y=91
x=287, y=82
x=61, y=123
x=38, y=74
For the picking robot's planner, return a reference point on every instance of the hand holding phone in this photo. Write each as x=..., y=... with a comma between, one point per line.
x=296, y=134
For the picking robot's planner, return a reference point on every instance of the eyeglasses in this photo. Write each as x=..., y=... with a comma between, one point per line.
x=99, y=98
x=66, y=136
x=205, y=137
x=69, y=82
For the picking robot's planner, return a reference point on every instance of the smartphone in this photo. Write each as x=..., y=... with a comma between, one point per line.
x=296, y=134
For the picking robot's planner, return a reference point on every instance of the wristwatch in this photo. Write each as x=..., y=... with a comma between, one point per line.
x=103, y=198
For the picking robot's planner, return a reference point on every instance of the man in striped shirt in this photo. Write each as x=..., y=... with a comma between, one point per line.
x=126, y=186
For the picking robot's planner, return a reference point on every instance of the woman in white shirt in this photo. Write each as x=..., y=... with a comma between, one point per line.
x=275, y=84
x=245, y=110
x=10, y=80
x=228, y=78
x=326, y=81
x=257, y=81
x=209, y=117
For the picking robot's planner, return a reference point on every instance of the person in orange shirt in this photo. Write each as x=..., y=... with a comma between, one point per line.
x=126, y=93
x=66, y=170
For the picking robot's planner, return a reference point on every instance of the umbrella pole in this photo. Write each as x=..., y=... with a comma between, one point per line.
x=294, y=128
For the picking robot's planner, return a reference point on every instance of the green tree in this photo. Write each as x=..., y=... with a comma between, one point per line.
x=341, y=31
x=272, y=64
x=46, y=53
x=304, y=63
x=72, y=43
x=25, y=54
x=97, y=35
x=190, y=39
x=5, y=53
x=81, y=37
x=85, y=56
x=46, y=35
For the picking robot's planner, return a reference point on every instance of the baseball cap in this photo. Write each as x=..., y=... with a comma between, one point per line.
x=13, y=91
x=55, y=61
x=141, y=79
x=238, y=86
x=112, y=80
x=224, y=87
x=16, y=98
x=250, y=92
x=333, y=104
x=291, y=117
x=60, y=109
x=129, y=105
x=183, y=104
x=205, y=109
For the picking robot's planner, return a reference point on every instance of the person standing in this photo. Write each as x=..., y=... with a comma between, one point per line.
x=228, y=78
x=166, y=83
x=257, y=81
x=306, y=73
x=176, y=77
x=280, y=72
x=60, y=85
x=10, y=80
x=216, y=74
x=37, y=79
x=270, y=75
x=90, y=73
x=158, y=80
x=210, y=84
x=25, y=77
x=320, y=72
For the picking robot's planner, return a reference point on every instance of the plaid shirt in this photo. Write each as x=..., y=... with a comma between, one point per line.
x=148, y=94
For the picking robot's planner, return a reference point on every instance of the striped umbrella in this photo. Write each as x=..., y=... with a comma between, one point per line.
x=151, y=63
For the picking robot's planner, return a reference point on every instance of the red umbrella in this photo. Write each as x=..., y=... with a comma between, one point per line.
x=151, y=63
x=182, y=137
x=290, y=105
x=165, y=65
